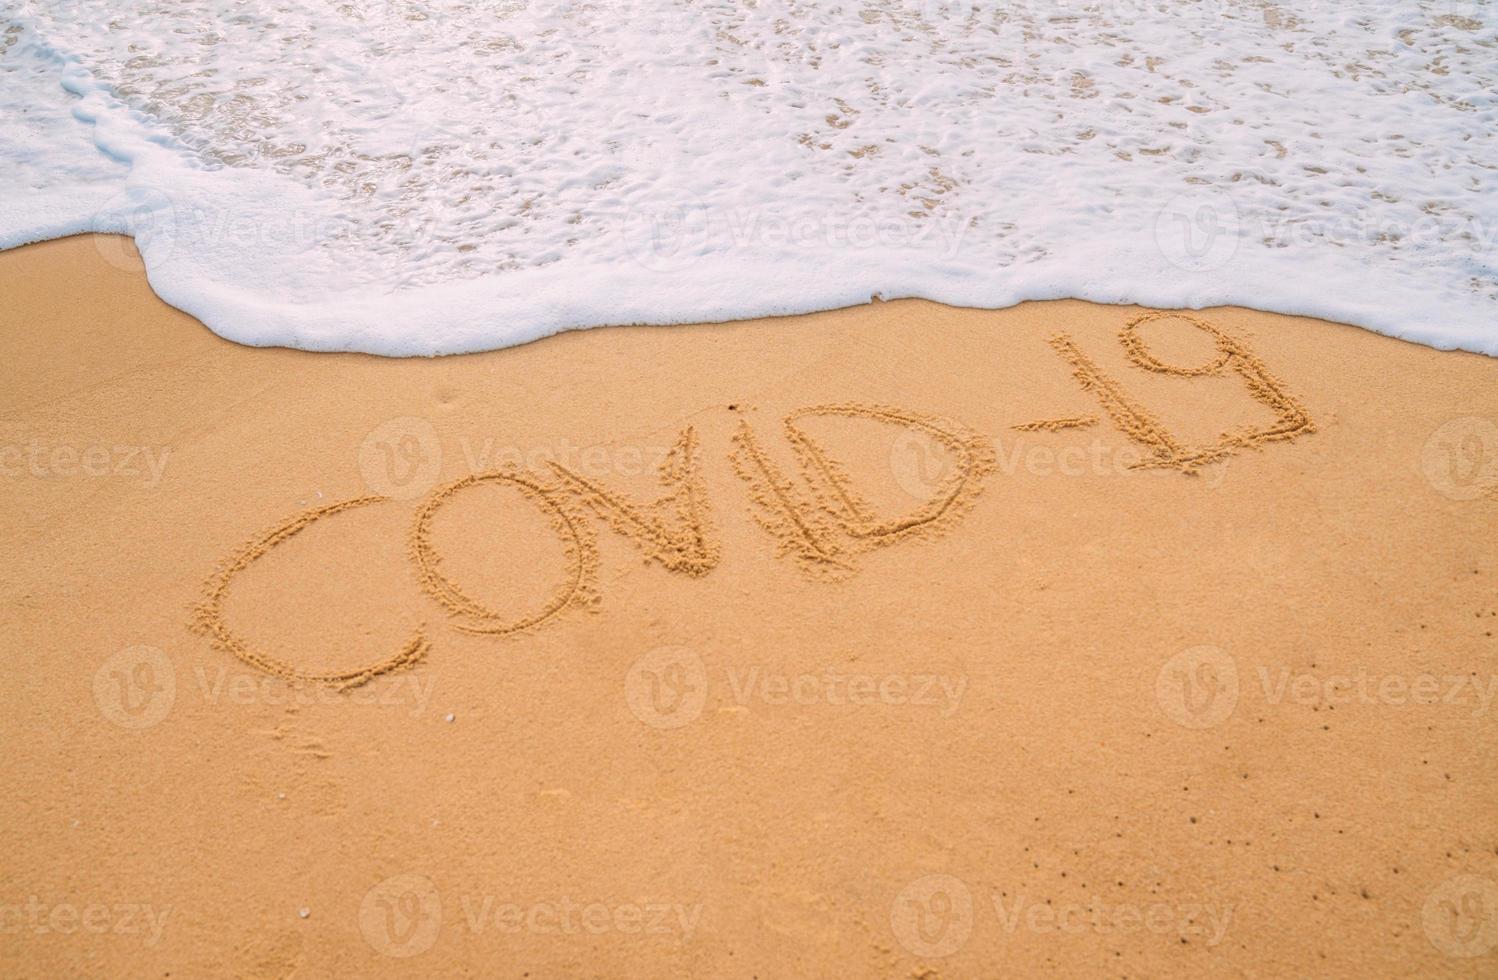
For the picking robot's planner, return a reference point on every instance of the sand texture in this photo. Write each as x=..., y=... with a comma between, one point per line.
x=897, y=641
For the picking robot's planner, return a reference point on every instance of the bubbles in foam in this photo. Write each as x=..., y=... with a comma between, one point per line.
x=433, y=176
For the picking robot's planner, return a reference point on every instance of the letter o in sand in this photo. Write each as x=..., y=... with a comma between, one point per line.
x=570, y=526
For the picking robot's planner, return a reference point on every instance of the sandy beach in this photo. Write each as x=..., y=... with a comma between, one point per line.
x=894, y=641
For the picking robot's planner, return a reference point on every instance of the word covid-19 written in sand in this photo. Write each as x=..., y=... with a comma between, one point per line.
x=814, y=515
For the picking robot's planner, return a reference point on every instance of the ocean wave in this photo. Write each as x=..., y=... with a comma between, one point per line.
x=409, y=177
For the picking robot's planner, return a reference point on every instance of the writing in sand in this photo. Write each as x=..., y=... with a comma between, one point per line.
x=816, y=517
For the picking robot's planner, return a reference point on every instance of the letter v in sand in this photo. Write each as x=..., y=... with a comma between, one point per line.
x=674, y=530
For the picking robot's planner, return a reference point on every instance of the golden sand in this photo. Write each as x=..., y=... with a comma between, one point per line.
x=882, y=642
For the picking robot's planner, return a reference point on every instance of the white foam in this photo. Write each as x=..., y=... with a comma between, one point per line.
x=430, y=176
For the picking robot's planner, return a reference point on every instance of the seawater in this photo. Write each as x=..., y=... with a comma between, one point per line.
x=410, y=177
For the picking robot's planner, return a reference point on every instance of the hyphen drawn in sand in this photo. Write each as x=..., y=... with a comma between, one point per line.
x=1056, y=425
x=820, y=521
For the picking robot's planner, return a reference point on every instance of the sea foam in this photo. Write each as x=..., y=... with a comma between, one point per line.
x=431, y=176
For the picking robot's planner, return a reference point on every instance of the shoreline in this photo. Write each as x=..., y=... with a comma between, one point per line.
x=891, y=639
x=314, y=329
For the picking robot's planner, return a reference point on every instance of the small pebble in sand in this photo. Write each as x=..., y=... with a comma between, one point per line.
x=451, y=718
x=304, y=911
